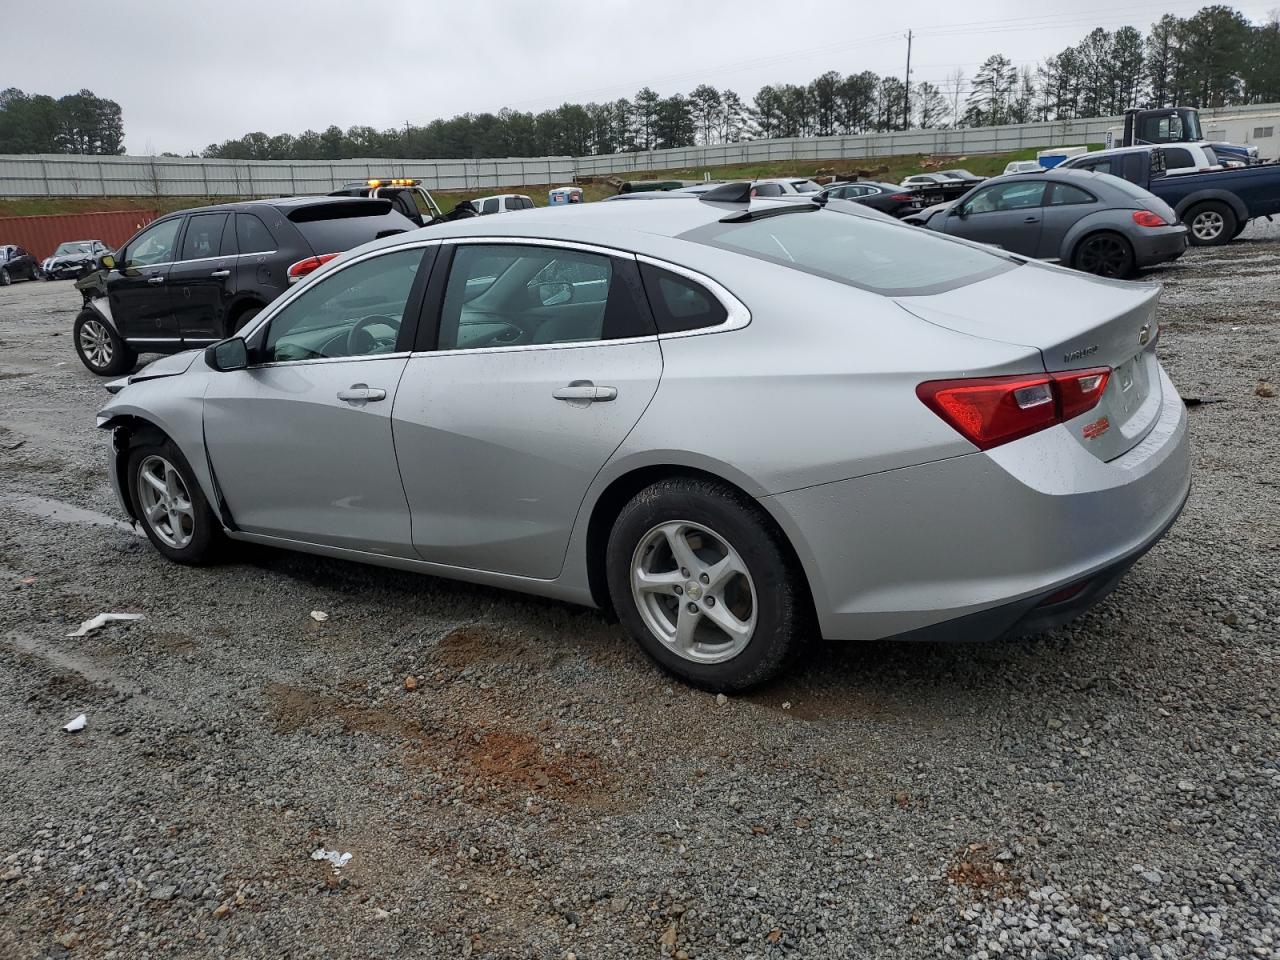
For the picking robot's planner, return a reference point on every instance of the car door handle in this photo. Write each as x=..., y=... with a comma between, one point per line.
x=361, y=393
x=585, y=390
x=220, y=273
x=1031, y=220
x=154, y=281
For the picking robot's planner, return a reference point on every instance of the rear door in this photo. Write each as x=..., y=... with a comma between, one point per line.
x=257, y=267
x=202, y=279
x=137, y=288
x=1006, y=214
x=545, y=359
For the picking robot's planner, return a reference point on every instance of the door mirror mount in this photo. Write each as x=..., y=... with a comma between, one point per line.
x=227, y=355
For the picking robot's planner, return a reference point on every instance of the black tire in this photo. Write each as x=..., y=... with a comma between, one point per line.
x=203, y=534
x=100, y=348
x=1105, y=254
x=5, y=279
x=1211, y=224
x=241, y=319
x=780, y=602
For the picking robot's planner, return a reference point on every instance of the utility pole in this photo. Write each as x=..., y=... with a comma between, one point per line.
x=906, y=93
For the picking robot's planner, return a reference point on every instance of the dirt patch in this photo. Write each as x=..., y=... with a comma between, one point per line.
x=978, y=869
x=474, y=643
x=294, y=708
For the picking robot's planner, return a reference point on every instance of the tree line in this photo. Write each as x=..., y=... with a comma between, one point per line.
x=77, y=123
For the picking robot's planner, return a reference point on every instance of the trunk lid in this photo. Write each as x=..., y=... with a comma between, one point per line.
x=1077, y=322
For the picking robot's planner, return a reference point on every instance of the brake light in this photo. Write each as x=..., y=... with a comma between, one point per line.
x=902, y=197
x=1145, y=218
x=309, y=265
x=989, y=411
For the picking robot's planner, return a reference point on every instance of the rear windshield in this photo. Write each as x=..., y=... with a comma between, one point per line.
x=344, y=231
x=891, y=259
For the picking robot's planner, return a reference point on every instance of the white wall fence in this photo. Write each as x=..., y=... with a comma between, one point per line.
x=48, y=175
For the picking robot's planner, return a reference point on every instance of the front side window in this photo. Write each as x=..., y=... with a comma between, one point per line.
x=1018, y=195
x=204, y=236
x=155, y=245
x=504, y=295
x=252, y=234
x=490, y=205
x=356, y=312
x=1176, y=157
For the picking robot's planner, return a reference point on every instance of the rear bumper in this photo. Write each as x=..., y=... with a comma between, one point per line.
x=972, y=546
x=1161, y=246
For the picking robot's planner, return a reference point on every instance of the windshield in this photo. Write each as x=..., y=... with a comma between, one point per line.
x=79, y=246
x=887, y=258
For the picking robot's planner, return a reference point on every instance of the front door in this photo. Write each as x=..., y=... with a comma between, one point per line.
x=545, y=360
x=301, y=441
x=200, y=283
x=1007, y=215
x=1065, y=205
x=138, y=287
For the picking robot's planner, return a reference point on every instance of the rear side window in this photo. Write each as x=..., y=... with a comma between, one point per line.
x=204, y=236
x=679, y=304
x=1064, y=194
x=345, y=232
x=767, y=190
x=252, y=234
x=1175, y=157
x=890, y=259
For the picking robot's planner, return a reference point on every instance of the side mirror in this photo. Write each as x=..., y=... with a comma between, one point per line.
x=227, y=355
x=554, y=294
x=960, y=212
x=107, y=261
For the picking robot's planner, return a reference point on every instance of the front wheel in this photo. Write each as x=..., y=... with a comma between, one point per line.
x=100, y=348
x=1211, y=224
x=705, y=584
x=5, y=279
x=167, y=499
x=1105, y=255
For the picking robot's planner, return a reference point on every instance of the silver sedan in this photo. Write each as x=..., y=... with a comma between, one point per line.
x=737, y=425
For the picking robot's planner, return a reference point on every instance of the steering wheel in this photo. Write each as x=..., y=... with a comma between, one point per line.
x=360, y=341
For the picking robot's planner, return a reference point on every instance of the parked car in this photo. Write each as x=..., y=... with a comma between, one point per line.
x=885, y=197
x=963, y=175
x=17, y=264
x=624, y=408
x=784, y=187
x=1090, y=221
x=407, y=195
x=195, y=277
x=1023, y=166
x=1216, y=206
x=73, y=259
x=924, y=180
x=1179, y=160
x=502, y=203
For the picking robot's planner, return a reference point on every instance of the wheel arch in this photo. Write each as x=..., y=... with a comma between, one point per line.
x=623, y=486
x=1092, y=231
x=100, y=307
x=239, y=305
x=1222, y=196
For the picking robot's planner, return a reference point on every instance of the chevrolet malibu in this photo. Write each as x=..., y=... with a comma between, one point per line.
x=737, y=425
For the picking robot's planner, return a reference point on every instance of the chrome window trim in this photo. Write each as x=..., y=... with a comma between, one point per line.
x=522, y=347
x=225, y=256
x=302, y=286
x=737, y=314
x=309, y=361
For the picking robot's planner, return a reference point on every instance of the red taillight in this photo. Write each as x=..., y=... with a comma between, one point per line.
x=902, y=197
x=989, y=411
x=309, y=265
x=1145, y=218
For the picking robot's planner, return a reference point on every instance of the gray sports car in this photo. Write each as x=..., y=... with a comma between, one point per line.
x=1091, y=221
x=736, y=424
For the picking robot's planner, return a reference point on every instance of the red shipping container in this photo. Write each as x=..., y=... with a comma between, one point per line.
x=41, y=235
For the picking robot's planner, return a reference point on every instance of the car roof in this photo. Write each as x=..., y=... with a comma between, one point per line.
x=284, y=204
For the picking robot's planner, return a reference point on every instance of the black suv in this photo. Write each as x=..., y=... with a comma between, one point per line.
x=195, y=277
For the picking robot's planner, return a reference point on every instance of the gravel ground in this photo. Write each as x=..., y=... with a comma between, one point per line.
x=513, y=779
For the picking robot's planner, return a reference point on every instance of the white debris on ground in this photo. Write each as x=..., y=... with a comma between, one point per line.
x=101, y=620
x=79, y=723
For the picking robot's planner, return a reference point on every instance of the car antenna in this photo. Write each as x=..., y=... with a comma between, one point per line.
x=739, y=192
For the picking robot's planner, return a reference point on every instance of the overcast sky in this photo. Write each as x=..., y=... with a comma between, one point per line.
x=188, y=74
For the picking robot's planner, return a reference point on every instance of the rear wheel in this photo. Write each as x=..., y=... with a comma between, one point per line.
x=1106, y=255
x=1211, y=223
x=241, y=320
x=100, y=348
x=170, y=504
x=5, y=279
x=704, y=583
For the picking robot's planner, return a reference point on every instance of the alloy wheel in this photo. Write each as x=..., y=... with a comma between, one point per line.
x=96, y=343
x=1207, y=225
x=1104, y=256
x=166, y=502
x=694, y=592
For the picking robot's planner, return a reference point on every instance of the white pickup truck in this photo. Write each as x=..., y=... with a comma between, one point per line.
x=502, y=203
